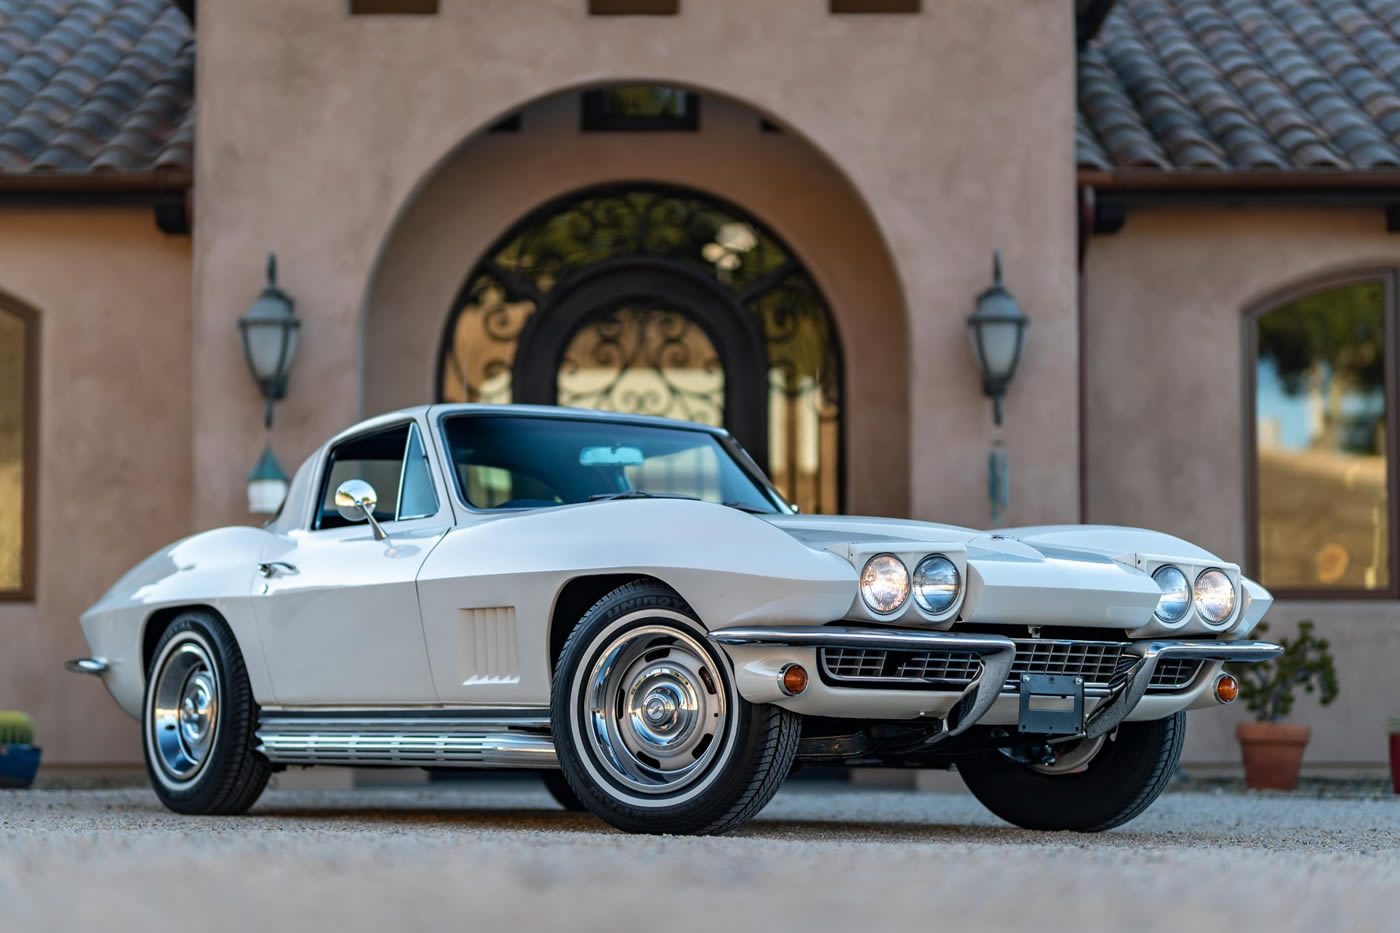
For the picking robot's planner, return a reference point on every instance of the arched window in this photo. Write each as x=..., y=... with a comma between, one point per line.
x=19, y=361
x=1324, y=427
x=658, y=300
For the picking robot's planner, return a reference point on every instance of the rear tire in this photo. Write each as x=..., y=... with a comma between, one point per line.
x=1123, y=779
x=651, y=733
x=199, y=720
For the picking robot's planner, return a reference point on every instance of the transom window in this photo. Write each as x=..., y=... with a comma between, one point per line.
x=18, y=400
x=394, y=462
x=1324, y=464
x=640, y=107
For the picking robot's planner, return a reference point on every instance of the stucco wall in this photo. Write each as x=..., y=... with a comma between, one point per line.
x=113, y=296
x=497, y=178
x=316, y=130
x=1166, y=421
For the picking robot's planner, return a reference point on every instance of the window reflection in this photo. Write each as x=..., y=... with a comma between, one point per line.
x=12, y=440
x=1320, y=410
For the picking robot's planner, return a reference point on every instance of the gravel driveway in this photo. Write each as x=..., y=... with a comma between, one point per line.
x=502, y=858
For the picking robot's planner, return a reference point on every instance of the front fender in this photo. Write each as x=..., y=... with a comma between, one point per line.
x=214, y=569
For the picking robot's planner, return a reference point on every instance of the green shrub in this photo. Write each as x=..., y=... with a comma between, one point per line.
x=1270, y=688
x=16, y=729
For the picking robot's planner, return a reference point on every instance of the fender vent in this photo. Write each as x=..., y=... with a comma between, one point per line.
x=486, y=646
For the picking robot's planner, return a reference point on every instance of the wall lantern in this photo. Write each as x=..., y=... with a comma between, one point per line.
x=269, y=330
x=267, y=485
x=998, y=331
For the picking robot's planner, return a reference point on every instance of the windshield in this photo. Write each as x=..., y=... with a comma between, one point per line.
x=514, y=462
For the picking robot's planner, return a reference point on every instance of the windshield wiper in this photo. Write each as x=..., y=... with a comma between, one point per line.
x=639, y=494
x=643, y=494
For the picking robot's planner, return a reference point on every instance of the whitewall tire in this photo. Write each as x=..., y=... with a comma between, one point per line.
x=651, y=733
x=199, y=720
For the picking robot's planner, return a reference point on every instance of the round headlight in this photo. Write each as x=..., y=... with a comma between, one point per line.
x=1215, y=595
x=936, y=584
x=1176, y=594
x=884, y=583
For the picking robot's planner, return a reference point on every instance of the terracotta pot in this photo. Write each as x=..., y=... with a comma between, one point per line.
x=1273, y=753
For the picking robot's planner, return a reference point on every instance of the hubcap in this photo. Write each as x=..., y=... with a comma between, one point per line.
x=655, y=709
x=184, y=711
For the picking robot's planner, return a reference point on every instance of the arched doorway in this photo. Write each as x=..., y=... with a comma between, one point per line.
x=658, y=300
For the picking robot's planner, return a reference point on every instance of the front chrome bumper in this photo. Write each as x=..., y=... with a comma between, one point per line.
x=95, y=666
x=761, y=653
x=996, y=653
x=1125, y=696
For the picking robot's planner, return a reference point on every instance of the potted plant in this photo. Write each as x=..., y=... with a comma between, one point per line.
x=19, y=757
x=1273, y=749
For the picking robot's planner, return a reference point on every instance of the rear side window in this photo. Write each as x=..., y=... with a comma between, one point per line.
x=394, y=462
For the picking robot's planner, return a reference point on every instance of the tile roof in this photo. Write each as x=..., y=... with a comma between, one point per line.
x=1242, y=85
x=95, y=86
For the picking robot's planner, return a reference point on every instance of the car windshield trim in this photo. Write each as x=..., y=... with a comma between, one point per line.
x=734, y=454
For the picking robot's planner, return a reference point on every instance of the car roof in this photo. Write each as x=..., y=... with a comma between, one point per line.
x=432, y=412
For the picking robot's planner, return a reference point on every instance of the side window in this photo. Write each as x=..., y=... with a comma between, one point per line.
x=394, y=463
x=416, y=496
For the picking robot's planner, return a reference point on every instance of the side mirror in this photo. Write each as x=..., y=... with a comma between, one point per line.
x=355, y=501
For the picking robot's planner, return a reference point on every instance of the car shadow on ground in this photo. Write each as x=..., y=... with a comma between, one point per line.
x=486, y=818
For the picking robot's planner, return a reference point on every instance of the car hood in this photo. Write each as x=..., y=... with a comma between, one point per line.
x=1081, y=575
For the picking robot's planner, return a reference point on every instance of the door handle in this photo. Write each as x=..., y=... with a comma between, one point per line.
x=274, y=567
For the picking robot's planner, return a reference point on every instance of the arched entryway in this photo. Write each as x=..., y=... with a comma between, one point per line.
x=662, y=300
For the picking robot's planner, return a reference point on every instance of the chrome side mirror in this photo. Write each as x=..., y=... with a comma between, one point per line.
x=355, y=501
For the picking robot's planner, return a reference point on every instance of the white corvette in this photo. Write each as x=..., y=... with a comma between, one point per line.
x=628, y=603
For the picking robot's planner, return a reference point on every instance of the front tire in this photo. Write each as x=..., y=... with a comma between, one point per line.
x=1122, y=779
x=199, y=720
x=559, y=789
x=651, y=733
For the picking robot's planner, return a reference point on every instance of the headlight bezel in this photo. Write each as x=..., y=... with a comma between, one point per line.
x=1196, y=601
x=861, y=585
x=1188, y=591
x=957, y=583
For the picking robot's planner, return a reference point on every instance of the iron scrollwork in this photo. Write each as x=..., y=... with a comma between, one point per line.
x=649, y=357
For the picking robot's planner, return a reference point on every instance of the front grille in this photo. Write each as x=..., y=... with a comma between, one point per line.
x=1095, y=661
x=1098, y=662
x=1174, y=674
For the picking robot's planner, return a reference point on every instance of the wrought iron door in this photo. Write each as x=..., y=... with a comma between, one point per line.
x=648, y=336
x=658, y=300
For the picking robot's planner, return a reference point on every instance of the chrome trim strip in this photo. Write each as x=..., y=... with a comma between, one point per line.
x=996, y=652
x=841, y=636
x=1130, y=692
x=407, y=740
x=95, y=666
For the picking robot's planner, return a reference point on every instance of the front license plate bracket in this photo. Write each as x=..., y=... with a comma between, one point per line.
x=1051, y=704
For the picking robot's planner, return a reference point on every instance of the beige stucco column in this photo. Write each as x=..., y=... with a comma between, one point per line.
x=955, y=126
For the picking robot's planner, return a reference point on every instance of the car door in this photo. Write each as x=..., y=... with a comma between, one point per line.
x=337, y=608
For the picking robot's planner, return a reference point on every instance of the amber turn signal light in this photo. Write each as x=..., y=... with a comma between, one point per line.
x=793, y=679
x=1227, y=688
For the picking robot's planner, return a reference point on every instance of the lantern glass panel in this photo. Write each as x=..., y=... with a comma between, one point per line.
x=1000, y=345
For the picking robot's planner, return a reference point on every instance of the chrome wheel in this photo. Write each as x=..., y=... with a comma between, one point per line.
x=655, y=709
x=185, y=710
